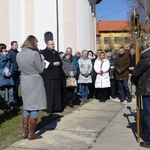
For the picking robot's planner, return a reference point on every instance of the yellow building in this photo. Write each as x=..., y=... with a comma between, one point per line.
x=113, y=34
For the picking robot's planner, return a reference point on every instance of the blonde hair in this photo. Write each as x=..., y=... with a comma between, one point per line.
x=102, y=52
x=30, y=42
x=84, y=51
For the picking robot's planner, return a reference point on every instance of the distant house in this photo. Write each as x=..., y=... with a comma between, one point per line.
x=73, y=22
x=113, y=34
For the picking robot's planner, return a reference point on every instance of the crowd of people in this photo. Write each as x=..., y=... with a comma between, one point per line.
x=44, y=74
x=9, y=75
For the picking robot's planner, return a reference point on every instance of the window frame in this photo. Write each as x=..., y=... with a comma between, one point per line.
x=129, y=40
x=117, y=38
x=108, y=39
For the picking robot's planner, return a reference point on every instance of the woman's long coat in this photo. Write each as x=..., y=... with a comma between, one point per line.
x=67, y=67
x=32, y=86
x=102, y=81
x=85, y=68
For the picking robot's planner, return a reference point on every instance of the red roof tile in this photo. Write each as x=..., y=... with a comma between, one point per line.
x=123, y=25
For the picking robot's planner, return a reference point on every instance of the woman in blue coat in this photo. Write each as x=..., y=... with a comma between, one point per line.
x=6, y=80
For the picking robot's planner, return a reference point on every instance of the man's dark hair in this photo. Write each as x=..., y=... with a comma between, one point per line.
x=99, y=50
x=121, y=47
x=12, y=43
x=48, y=36
x=2, y=46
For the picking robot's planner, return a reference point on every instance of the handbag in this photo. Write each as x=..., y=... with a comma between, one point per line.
x=71, y=82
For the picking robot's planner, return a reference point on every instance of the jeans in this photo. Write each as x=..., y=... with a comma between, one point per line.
x=146, y=110
x=32, y=113
x=124, y=90
x=10, y=96
x=84, y=91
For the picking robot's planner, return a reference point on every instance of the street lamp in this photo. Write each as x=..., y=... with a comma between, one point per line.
x=135, y=26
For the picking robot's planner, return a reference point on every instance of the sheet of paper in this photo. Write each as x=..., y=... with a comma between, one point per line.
x=46, y=64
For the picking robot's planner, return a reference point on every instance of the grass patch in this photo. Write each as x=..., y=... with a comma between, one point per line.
x=11, y=122
x=11, y=126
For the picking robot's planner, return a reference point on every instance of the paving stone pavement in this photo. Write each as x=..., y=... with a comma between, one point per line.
x=93, y=126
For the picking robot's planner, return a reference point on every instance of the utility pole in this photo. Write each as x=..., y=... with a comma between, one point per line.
x=136, y=35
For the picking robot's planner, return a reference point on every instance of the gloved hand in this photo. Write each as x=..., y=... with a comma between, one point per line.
x=101, y=72
x=119, y=71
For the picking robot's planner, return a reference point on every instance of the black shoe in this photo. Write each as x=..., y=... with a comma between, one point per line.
x=129, y=100
x=113, y=97
x=145, y=144
x=102, y=101
x=121, y=100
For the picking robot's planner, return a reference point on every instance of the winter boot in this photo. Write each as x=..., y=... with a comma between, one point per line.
x=25, y=123
x=32, y=135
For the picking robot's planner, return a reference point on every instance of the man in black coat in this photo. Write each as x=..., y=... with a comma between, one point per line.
x=16, y=73
x=141, y=76
x=51, y=77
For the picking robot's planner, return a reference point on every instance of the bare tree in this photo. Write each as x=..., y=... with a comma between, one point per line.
x=143, y=8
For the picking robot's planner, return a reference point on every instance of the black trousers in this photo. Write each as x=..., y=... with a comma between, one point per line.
x=69, y=93
x=103, y=94
x=53, y=95
x=113, y=88
x=16, y=86
x=91, y=90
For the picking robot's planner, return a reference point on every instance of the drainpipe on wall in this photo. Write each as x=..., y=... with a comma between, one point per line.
x=57, y=22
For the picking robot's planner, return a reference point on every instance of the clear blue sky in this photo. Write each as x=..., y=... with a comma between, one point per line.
x=113, y=10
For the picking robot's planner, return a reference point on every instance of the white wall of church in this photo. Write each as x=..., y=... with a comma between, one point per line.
x=83, y=24
x=16, y=20
x=24, y=17
x=45, y=20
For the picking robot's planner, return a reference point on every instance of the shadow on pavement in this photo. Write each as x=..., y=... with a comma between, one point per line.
x=48, y=127
x=132, y=125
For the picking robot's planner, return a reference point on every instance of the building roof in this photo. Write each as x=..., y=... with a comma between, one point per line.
x=116, y=25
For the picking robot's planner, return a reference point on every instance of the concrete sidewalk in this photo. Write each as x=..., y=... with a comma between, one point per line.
x=121, y=131
x=93, y=126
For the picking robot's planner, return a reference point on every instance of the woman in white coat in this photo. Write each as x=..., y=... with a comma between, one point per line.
x=102, y=82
